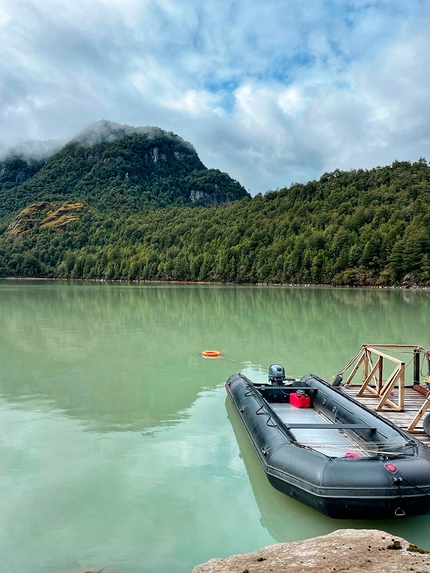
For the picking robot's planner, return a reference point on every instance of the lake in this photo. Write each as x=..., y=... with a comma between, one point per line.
x=118, y=447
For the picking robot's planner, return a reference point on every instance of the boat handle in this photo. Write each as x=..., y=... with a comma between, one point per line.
x=269, y=419
x=261, y=412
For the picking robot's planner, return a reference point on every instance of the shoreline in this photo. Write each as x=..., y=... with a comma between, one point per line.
x=354, y=550
x=219, y=283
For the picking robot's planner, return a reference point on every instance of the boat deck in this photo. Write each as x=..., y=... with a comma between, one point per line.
x=413, y=402
x=331, y=442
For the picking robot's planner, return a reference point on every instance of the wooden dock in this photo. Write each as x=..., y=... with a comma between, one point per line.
x=402, y=402
x=413, y=401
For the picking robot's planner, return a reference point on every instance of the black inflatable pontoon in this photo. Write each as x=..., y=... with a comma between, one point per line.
x=336, y=456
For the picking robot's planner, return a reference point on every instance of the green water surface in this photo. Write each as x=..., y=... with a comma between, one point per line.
x=118, y=448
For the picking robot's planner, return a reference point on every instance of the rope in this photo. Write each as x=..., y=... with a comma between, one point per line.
x=336, y=448
x=420, y=350
x=419, y=488
x=276, y=446
x=425, y=376
x=348, y=365
x=345, y=367
x=256, y=366
x=351, y=449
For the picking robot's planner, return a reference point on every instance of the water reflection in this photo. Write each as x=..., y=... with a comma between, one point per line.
x=115, y=446
x=128, y=356
x=278, y=511
x=123, y=500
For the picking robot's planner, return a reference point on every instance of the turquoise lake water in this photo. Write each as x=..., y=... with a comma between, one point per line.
x=118, y=447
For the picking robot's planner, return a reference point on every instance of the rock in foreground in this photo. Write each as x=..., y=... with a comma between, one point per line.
x=352, y=550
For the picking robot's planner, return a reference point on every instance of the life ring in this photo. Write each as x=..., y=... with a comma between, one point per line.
x=211, y=354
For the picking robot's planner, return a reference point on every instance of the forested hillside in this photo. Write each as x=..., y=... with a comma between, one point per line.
x=116, y=167
x=24, y=160
x=361, y=227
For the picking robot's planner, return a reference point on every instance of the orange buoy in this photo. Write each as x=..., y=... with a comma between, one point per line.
x=211, y=354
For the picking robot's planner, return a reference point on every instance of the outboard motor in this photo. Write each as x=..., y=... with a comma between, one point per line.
x=276, y=374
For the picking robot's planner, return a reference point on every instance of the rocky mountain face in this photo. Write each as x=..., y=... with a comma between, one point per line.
x=115, y=167
x=42, y=215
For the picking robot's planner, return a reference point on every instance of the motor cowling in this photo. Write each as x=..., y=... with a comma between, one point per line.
x=276, y=374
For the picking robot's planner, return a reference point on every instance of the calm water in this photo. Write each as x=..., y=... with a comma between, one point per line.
x=117, y=445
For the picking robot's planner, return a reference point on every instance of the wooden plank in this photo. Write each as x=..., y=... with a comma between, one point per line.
x=382, y=354
x=355, y=369
x=389, y=387
x=413, y=402
x=369, y=377
x=372, y=382
x=419, y=415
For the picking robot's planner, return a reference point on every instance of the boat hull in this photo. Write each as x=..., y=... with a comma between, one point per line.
x=391, y=479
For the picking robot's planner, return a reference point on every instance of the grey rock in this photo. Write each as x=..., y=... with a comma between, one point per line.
x=346, y=550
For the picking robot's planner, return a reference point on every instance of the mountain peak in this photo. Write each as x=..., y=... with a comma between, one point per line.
x=105, y=131
x=109, y=166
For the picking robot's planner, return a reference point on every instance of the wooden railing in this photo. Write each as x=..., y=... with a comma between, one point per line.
x=371, y=357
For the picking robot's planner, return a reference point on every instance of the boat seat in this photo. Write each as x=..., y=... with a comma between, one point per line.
x=329, y=427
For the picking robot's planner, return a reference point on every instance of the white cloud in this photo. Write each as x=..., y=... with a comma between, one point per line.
x=271, y=92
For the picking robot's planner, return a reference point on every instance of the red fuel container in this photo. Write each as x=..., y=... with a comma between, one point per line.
x=300, y=400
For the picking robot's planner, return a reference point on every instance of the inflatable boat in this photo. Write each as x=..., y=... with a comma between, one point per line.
x=321, y=447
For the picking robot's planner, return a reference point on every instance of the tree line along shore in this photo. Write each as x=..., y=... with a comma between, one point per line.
x=349, y=228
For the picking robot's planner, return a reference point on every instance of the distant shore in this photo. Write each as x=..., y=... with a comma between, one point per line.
x=218, y=283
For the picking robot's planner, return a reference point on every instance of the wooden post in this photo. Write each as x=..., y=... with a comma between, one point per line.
x=401, y=400
x=365, y=386
x=396, y=376
x=393, y=390
x=365, y=365
x=416, y=366
x=374, y=371
x=379, y=382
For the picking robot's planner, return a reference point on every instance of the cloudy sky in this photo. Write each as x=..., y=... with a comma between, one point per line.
x=271, y=91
